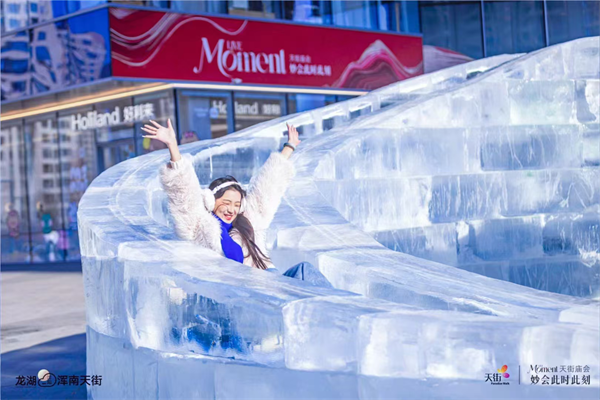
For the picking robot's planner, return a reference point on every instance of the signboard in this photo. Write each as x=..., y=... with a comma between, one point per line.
x=163, y=45
x=94, y=119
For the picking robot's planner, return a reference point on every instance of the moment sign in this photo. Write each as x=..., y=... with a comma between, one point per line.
x=164, y=45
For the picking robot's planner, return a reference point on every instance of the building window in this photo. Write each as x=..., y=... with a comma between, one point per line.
x=257, y=9
x=50, y=60
x=254, y=108
x=89, y=46
x=45, y=209
x=568, y=20
x=305, y=102
x=399, y=16
x=162, y=107
x=314, y=12
x=186, y=6
x=355, y=14
x=203, y=115
x=157, y=3
x=15, y=218
x=513, y=26
x=454, y=27
x=15, y=65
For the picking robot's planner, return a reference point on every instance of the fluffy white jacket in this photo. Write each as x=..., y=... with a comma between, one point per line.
x=191, y=206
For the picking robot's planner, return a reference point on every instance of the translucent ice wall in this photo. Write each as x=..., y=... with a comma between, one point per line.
x=400, y=196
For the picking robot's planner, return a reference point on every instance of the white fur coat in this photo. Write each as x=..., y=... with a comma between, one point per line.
x=191, y=206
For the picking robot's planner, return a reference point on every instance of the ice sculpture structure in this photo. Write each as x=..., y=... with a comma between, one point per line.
x=456, y=214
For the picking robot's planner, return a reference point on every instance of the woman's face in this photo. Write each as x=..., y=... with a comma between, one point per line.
x=227, y=206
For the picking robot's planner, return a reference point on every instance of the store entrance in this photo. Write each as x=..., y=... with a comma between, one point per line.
x=114, y=152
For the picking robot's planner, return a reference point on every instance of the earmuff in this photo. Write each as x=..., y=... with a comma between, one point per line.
x=210, y=198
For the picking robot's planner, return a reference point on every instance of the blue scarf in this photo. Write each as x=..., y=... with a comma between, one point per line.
x=231, y=249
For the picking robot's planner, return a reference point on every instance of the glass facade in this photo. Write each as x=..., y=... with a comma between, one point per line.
x=44, y=181
x=453, y=26
x=254, y=108
x=45, y=47
x=15, y=66
x=48, y=161
x=15, y=222
x=487, y=28
x=568, y=20
x=55, y=55
x=78, y=167
x=158, y=107
x=203, y=115
x=513, y=27
x=305, y=102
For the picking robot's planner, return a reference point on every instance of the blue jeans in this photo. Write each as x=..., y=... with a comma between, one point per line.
x=307, y=272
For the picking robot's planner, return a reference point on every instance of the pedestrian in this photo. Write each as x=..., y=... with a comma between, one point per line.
x=13, y=223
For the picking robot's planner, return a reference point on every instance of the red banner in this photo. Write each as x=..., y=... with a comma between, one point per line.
x=161, y=45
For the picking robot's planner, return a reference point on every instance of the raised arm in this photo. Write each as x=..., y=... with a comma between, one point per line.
x=269, y=184
x=193, y=221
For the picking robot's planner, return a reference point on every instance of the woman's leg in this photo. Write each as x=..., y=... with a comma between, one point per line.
x=309, y=273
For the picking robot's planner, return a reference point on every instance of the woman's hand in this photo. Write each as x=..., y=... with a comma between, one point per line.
x=293, y=135
x=165, y=135
x=161, y=133
x=292, y=139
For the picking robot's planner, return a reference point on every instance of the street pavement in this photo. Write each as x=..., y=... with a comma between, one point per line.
x=42, y=327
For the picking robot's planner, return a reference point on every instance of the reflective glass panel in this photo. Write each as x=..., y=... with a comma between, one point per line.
x=568, y=20
x=15, y=221
x=455, y=27
x=254, y=108
x=15, y=66
x=356, y=14
x=114, y=122
x=79, y=166
x=89, y=46
x=202, y=115
x=304, y=102
x=310, y=11
x=50, y=59
x=513, y=26
x=44, y=181
x=14, y=14
x=217, y=7
x=158, y=107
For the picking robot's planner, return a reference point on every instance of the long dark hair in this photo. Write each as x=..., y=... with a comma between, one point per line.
x=241, y=223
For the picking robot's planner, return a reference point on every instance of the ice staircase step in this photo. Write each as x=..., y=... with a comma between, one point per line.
x=505, y=239
x=384, y=153
x=396, y=203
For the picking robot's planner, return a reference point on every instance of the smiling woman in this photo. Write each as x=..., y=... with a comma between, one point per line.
x=224, y=217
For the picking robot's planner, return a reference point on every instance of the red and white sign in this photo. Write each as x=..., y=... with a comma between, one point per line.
x=162, y=45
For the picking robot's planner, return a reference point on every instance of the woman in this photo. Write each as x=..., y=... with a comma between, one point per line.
x=224, y=217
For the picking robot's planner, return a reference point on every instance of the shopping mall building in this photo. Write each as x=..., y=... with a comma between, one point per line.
x=79, y=78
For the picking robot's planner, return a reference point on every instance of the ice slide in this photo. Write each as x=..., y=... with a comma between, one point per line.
x=456, y=214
